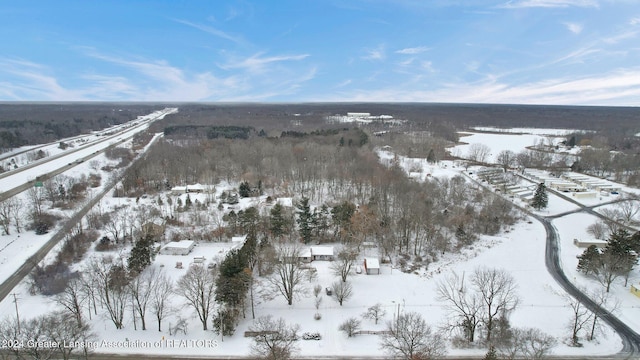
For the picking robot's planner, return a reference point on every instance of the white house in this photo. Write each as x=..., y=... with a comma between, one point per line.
x=182, y=247
x=322, y=253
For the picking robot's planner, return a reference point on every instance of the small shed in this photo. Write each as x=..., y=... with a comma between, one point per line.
x=182, y=247
x=600, y=244
x=372, y=266
x=322, y=253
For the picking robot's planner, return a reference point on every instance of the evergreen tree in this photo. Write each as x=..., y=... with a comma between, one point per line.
x=141, y=255
x=248, y=220
x=244, y=189
x=278, y=221
x=187, y=202
x=491, y=354
x=588, y=261
x=341, y=216
x=540, y=198
x=304, y=220
x=431, y=158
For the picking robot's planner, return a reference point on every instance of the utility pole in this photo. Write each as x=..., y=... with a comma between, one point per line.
x=15, y=301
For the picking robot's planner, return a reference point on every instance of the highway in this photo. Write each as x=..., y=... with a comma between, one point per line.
x=7, y=286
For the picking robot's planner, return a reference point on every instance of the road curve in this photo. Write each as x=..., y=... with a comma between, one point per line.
x=630, y=339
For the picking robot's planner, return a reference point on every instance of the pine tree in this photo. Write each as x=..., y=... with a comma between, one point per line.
x=431, y=158
x=278, y=220
x=244, y=189
x=540, y=198
x=491, y=354
x=588, y=261
x=304, y=220
x=141, y=254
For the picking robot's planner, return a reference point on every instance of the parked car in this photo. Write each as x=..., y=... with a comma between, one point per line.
x=311, y=336
x=358, y=270
x=329, y=291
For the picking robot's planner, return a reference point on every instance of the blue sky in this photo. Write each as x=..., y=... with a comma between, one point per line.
x=573, y=52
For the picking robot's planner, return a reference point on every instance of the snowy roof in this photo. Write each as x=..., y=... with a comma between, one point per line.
x=372, y=263
x=305, y=253
x=182, y=244
x=322, y=250
x=241, y=238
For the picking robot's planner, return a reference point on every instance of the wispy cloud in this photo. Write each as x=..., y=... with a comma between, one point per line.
x=620, y=37
x=634, y=21
x=258, y=63
x=574, y=27
x=515, y=4
x=375, y=54
x=344, y=83
x=29, y=80
x=612, y=88
x=413, y=50
x=213, y=31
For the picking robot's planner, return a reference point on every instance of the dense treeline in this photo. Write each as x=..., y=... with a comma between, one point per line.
x=208, y=132
x=31, y=123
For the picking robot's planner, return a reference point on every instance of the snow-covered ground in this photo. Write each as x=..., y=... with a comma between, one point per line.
x=515, y=141
x=534, y=131
x=520, y=252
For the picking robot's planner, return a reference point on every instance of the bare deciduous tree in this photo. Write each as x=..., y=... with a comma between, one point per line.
x=64, y=331
x=506, y=159
x=603, y=299
x=375, y=313
x=197, y=287
x=350, y=326
x=478, y=152
x=497, y=291
x=8, y=210
x=110, y=280
x=580, y=318
x=275, y=339
x=463, y=303
x=528, y=343
x=342, y=291
x=72, y=298
x=598, y=230
x=141, y=289
x=628, y=210
x=410, y=337
x=343, y=263
x=160, y=298
x=289, y=275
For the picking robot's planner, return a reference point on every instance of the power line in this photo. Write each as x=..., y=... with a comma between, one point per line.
x=15, y=301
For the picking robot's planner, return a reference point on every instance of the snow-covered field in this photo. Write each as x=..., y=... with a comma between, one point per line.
x=517, y=141
x=534, y=131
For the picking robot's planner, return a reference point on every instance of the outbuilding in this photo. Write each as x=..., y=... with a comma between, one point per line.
x=372, y=266
x=182, y=247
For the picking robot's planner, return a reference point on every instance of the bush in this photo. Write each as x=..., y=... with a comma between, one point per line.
x=43, y=223
x=51, y=279
x=104, y=244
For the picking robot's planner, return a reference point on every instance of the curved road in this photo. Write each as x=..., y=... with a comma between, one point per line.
x=630, y=339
